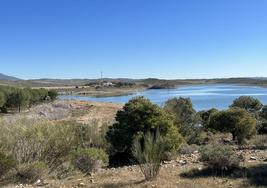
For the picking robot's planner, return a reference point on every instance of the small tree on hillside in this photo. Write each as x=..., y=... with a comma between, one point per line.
x=206, y=115
x=52, y=94
x=2, y=99
x=248, y=103
x=184, y=113
x=18, y=98
x=262, y=128
x=140, y=116
x=236, y=121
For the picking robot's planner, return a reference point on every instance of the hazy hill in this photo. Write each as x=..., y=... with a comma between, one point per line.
x=6, y=77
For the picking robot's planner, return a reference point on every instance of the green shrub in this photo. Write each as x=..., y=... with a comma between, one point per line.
x=148, y=151
x=206, y=115
x=2, y=99
x=248, y=103
x=6, y=164
x=185, y=116
x=140, y=116
x=52, y=94
x=237, y=121
x=219, y=157
x=31, y=172
x=198, y=137
x=89, y=160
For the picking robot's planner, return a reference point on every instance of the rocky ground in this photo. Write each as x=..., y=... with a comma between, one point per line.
x=183, y=172
x=70, y=110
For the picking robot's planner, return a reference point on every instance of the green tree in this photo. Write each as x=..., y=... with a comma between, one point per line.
x=248, y=103
x=138, y=117
x=185, y=115
x=2, y=99
x=52, y=94
x=43, y=93
x=262, y=128
x=6, y=163
x=205, y=116
x=18, y=98
x=236, y=121
x=35, y=96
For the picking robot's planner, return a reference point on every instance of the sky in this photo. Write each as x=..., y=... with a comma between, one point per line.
x=170, y=39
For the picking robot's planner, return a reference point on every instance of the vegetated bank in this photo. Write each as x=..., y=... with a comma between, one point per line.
x=14, y=97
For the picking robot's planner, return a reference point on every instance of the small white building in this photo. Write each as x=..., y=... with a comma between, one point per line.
x=108, y=84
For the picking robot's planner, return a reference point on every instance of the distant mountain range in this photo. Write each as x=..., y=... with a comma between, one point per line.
x=148, y=82
x=6, y=77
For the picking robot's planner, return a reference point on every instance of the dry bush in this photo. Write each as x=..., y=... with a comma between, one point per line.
x=148, y=151
x=31, y=140
x=259, y=142
x=219, y=157
x=89, y=160
x=6, y=164
x=188, y=149
x=31, y=172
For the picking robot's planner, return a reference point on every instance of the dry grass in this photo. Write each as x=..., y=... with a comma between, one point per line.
x=170, y=176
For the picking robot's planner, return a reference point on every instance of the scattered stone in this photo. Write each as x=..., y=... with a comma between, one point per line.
x=81, y=184
x=40, y=183
x=92, y=181
x=182, y=162
x=168, y=162
x=253, y=158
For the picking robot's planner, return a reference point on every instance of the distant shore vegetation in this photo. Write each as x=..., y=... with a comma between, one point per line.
x=17, y=98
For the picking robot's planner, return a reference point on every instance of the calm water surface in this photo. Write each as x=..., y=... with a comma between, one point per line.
x=203, y=96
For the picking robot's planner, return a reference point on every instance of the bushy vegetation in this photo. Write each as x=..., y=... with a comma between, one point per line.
x=185, y=116
x=31, y=141
x=148, y=151
x=262, y=127
x=89, y=160
x=188, y=149
x=248, y=103
x=219, y=157
x=11, y=97
x=31, y=172
x=138, y=117
x=206, y=115
x=6, y=164
x=237, y=121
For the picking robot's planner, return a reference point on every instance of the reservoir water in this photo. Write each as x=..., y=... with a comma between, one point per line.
x=203, y=96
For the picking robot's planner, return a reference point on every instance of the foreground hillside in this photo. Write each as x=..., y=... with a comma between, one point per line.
x=55, y=125
x=185, y=171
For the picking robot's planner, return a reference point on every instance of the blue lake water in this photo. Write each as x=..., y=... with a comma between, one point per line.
x=203, y=96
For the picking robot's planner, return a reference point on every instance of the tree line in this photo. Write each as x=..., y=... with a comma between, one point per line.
x=14, y=97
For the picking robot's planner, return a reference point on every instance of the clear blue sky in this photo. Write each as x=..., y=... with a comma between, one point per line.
x=133, y=38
